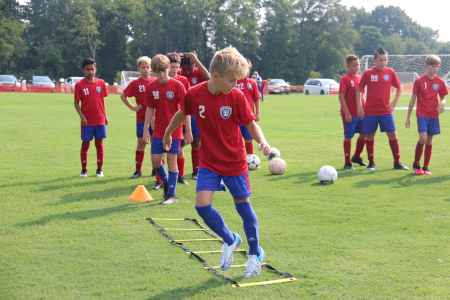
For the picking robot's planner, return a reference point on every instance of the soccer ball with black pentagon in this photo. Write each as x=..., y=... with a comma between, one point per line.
x=253, y=161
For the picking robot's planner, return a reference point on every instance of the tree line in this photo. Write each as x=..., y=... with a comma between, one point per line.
x=289, y=39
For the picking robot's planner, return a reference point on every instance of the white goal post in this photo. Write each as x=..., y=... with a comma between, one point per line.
x=128, y=76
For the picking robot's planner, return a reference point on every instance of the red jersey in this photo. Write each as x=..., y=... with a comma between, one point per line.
x=250, y=89
x=348, y=86
x=263, y=84
x=427, y=91
x=165, y=99
x=138, y=89
x=91, y=95
x=378, y=90
x=193, y=79
x=218, y=118
x=183, y=80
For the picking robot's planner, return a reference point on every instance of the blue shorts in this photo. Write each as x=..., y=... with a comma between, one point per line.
x=194, y=127
x=428, y=125
x=239, y=186
x=351, y=128
x=157, y=146
x=89, y=132
x=140, y=130
x=386, y=122
x=245, y=133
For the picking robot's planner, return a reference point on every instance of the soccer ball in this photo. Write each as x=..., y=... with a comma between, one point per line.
x=327, y=175
x=253, y=161
x=274, y=152
x=277, y=166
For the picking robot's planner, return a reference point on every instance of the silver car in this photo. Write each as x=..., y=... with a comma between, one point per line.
x=321, y=86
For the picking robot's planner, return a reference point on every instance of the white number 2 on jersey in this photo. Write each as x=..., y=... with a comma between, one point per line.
x=156, y=94
x=201, y=111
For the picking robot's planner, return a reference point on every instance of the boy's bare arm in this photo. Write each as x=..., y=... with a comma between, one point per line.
x=393, y=104
x=358, y=102
x=177, y=119
x=258, y=136
x=440, y=108
x=410, y=109
x=82, y=117
x=257, y=116
x=188, y=137
x=148, y=119
x=348, y=116
x=203, y=71
x=129, y=104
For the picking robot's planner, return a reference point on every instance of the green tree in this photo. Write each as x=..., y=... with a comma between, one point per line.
x=370, y=39
x=395, y=45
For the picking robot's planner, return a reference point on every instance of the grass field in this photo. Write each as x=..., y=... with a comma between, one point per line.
x=371, y=235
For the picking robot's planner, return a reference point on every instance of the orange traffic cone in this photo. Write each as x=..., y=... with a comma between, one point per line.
x=140, y=194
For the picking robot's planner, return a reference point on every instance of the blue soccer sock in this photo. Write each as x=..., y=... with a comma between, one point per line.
x=162, y=173
x=215, y=222
x=173, y=179
x=251, y=229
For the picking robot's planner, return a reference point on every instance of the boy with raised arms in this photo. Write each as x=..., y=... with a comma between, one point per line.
x=194, y=75
x=250, y=89
x=349, y=113
x=426, y=90
x=164, y=96
x=91, y=91
x=218, y=108
x=138, y=89
x=379, y=110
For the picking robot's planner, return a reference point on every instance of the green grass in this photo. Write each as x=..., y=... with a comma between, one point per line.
x=371, y=235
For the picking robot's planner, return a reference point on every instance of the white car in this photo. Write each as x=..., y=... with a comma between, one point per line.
x=69, y=84
x=321, y=86
x=447, y=83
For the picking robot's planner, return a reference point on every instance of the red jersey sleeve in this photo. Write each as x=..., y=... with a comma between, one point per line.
x=244, y=111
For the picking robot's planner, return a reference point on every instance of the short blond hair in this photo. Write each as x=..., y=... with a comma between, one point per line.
x=229, y=61
x=143, y=59
x=433, y=60
x=160, y=63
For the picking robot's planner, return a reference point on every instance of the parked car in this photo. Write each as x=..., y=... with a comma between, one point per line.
x=8, y=83
x=321, y=86
x=278, y=86
x=69, y=84
x=41, y=84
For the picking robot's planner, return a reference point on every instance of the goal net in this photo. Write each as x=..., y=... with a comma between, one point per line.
x=408, y=67
x=128, y=76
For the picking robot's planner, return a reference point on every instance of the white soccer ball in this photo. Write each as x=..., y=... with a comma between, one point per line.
x=327, y=175
x=277, y=166
x=253, y=161
x=274, y=152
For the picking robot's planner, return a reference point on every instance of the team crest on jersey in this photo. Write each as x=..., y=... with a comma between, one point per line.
x=194, y=80
x=225, y=112
x=435, y=87
x=386, y=77
x=170, y=95
x=99, y=89
x=249, y=85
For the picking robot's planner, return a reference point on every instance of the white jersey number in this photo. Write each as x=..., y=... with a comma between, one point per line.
x=156, y=94
x=240, y=86
x=86, y=91
x=141, y=88
x=201, y=111
x=425, y=85
x=374, y=78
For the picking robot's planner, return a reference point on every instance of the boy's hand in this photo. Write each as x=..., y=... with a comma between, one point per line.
x=361, y=113
x=188, y=137
x=348, y=118
x=137, y=107
x=146, y=136
x=408, y=123
x=256, y=117
x=265, y=148
x=193, y=56
x=167, y=142
x=440, y=108
x=106, y=120
x=391, y=107
x=84, y=121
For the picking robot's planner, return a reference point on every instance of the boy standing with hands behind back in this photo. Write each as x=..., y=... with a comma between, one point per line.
x=426, y=89
x=379, y=110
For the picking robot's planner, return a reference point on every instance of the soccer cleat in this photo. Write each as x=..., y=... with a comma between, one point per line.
x=426, y=171
x=349, y=166
x=228, y=252
x=194, y=176
x=157, y=185
x=83, y=173
x=254, y=264
x=99, y=173
x=417, y=169
x=371, y=166
x=358, y=161
x=182, y=180
x=169, y=199
x=136, y=174
x=400, y=166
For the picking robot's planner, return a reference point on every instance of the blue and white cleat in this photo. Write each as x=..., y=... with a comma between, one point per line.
x=228, y=252
x=254, y=264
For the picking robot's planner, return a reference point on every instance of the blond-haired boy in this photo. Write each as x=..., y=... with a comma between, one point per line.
x=138, y=89
x=426, y=90
x=218, y=108
x=163, y=100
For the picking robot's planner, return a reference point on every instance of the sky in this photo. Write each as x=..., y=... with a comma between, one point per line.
x=434, y=14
